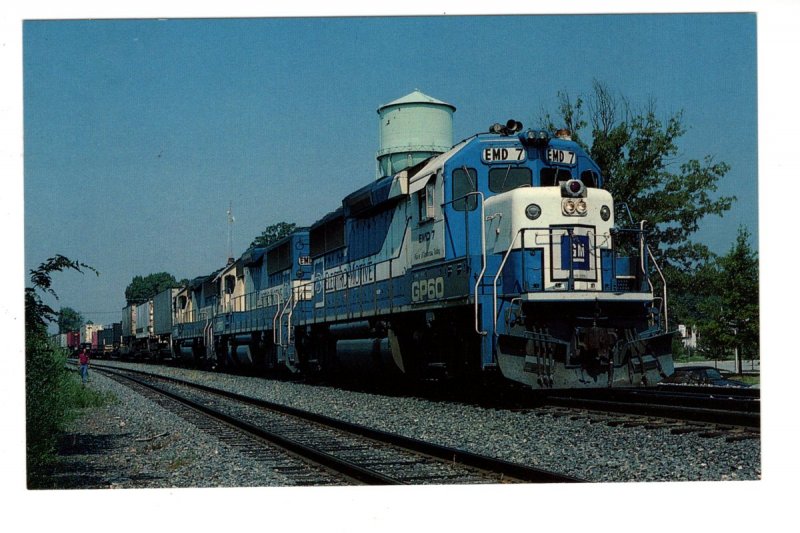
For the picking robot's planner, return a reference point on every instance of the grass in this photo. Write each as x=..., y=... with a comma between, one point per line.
x=79, y=396
x=54, y=398
x=750, y=379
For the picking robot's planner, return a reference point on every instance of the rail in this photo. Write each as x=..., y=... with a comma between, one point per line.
x=263, y=299
x=483, y=263
x=288, y=308
x=275, y=328
x=483, y=249
x=497, y=468
x=521, y=231
x=642, y=248
x=700, y=404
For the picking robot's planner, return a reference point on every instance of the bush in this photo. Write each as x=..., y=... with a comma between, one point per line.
x=53, y=396
x=47, y=400
x=76, y=396
x=45, y=410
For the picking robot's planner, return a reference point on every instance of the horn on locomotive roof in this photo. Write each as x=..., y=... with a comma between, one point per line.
x=511, y=127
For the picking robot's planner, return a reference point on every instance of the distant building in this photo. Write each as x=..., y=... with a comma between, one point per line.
x=688, y=336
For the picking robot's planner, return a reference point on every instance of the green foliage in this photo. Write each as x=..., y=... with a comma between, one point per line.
x=747, y=378
x=637, y=153
x=37, y=313
x=52, y=394
x=142, y=289
x=639, y=156
x=732, y=311
x=77, y=396
x=69, y=320
x=45, y=380
x=689, y=292
x=679, y=351
x=273, y=233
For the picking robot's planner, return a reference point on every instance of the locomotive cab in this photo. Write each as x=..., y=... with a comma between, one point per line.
x=569, y=307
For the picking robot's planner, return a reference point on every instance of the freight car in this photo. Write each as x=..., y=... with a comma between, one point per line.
x=108, y=341
x=500, y=254
x=73, y=340
x=146, y=328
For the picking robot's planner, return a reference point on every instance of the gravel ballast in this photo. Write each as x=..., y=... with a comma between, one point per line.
x=135, y=443
x=186, y=457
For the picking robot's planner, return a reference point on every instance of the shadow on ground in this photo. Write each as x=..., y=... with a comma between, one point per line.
x=80, y=464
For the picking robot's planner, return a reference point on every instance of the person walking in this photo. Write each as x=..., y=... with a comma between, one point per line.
x=83, y=360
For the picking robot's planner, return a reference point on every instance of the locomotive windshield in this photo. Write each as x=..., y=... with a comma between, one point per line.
x=549, y=176
x=508, y=178
x=589, y=178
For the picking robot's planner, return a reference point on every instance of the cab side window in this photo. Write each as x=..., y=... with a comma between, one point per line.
x=465, y=181
x=425, y=201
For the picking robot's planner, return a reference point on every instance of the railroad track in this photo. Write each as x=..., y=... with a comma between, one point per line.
x=733, y=415
x=325, y=450
x=710, y=406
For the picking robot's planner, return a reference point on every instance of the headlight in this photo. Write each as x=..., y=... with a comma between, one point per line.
x=605, y=213
x=573, y=189
x=533, y=211
x=574, y=207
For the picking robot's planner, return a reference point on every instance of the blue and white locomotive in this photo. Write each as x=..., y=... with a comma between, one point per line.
x=498, y=254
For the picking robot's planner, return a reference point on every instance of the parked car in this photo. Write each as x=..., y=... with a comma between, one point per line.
x=700, y=375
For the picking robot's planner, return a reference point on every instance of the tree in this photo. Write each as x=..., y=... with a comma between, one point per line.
x=637, y=154
x=69, y=320
x=273, y=233
x=37, y=313
x=732, y=314
x=142, y=289
x=45, y=410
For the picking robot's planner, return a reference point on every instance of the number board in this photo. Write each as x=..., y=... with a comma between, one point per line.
x=501, y=154
x=554, y=155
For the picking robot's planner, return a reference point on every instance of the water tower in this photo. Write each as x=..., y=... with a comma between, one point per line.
x=412, y=129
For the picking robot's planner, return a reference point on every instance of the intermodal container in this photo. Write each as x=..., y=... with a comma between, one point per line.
x=73, y=339
x=162, y=311
x=144, y=320
x=129, y=321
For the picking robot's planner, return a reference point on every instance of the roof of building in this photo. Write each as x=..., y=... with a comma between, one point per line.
x=416, y=97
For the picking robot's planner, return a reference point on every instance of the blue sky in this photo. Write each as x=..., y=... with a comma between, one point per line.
x=139, y=133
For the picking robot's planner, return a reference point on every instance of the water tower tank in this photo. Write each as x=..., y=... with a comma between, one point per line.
x=412, y=129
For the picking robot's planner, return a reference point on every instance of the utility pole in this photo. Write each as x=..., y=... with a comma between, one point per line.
x=231, y=220
x=736, y=361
